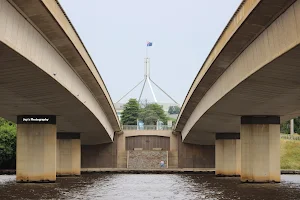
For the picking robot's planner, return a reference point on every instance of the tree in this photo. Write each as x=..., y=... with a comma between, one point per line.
x=149, y=117
x=7, y=144
x=174, y=110
x=173, y=120
x=130, y=113
x=151, y=113
x=285, y=127
x=297, y=125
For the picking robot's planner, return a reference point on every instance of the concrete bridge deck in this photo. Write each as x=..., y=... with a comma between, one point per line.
x=46, y=73
x=247, y=86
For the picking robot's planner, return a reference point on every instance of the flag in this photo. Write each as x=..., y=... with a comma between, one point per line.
x=149, y=44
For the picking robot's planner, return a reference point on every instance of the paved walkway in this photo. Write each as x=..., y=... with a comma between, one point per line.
x=158, y=171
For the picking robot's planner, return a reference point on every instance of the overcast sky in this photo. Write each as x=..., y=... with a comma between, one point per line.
x=115, y=33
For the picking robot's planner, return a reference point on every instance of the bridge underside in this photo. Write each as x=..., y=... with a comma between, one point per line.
x=27, y=90
x=272, y=90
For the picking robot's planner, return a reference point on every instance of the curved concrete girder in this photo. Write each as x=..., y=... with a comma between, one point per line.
x=103, y=97
x=250, y=19
x=18, y=34
x=255, y=83
x=51, y=21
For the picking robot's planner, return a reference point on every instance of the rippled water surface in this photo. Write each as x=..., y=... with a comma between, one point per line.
x=150, y=186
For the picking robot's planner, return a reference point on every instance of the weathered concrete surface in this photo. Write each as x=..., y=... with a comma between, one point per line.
x=247, y=23
x=99, y=156
x=181, y=155
x=122, y=159
x=53, y=23
x=255, y=83
x=44, y=72
x=173, y=153
x=228, y=157
x=68, y=157
x=36, y=153
x=173, y=159
x=148, y=142
x=260, y=152
x=146, y=159
x=195, y=156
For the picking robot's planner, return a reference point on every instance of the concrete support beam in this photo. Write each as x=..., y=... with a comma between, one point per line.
x=260, y=149
x=228, y=154
x=68, y=154
x=36, y=149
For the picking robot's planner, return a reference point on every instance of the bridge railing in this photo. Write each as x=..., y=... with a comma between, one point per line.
x=147, y=127
x=289, y=137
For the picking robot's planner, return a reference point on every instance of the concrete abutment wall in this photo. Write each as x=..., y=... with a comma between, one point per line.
x=180, y=155
x=99, y=156
x=195, y=156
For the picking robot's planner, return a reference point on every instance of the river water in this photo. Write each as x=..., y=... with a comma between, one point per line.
x=150, y=186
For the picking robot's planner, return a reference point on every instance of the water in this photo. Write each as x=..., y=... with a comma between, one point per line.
x=150, y=186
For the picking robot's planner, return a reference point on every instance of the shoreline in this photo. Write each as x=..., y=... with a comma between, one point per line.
x=150, y=171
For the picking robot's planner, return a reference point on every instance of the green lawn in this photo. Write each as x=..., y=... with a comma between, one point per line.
x=290, y=154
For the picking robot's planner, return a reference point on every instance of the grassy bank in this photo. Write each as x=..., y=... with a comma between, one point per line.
x=290, y=154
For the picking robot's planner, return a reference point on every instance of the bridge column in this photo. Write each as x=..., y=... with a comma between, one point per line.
x=36, y=148
x=68, y=154
x=228, y=154
x=260, y=148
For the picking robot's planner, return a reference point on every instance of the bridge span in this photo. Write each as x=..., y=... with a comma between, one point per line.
x=230, y=118
x=248, y=84
x=49, y=84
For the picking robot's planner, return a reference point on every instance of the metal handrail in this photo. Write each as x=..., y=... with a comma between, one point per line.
x=289, y=137
x=147, y=127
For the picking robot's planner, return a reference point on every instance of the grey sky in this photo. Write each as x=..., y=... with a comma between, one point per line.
x=115, y=33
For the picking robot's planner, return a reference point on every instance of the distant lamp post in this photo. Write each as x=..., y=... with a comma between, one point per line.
x=292, y=126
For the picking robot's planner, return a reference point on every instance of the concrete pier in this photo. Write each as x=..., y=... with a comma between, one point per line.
x=260, y=149
x=36, y=149
x=228, y=154
x=68, y=154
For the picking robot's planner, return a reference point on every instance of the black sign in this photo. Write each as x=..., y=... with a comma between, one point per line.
x=260, y=120
x=36, y=119
x=227, y=136
x=68, y=135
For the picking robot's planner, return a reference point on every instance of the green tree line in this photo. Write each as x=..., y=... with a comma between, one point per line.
x=149, y=113
x=174, y=110
x=7, y=144
x=285, y=127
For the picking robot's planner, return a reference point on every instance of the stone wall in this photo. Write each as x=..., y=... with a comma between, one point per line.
x=146, y=159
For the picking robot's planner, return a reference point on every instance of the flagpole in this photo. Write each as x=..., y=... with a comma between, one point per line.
x=148, y=79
